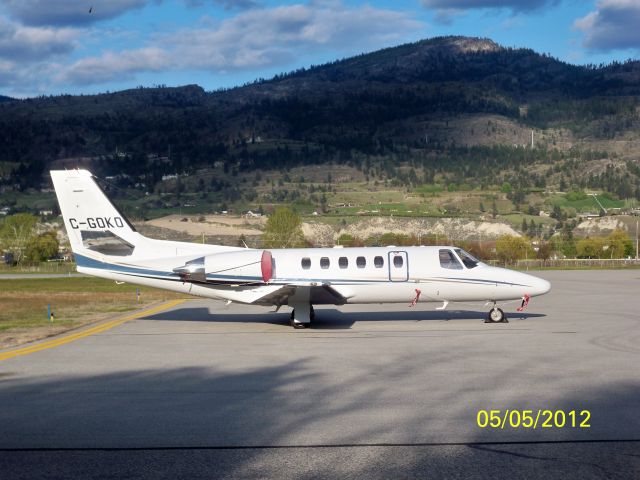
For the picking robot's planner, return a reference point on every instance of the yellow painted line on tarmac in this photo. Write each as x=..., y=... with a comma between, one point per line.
x=56, y=342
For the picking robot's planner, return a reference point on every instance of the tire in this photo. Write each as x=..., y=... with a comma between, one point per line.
x=496, y=315
x=295, y=324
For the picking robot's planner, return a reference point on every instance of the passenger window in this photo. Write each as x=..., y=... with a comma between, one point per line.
x=324, y=262
x=378, y=262
x=398, y=261
x=306, y=263
x=343, y=262
x=448, y=260
x=361, y=262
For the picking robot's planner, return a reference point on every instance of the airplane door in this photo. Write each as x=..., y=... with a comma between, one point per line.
x=398, y=267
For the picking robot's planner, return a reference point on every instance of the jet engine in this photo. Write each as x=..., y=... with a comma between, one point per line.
x=248, y=266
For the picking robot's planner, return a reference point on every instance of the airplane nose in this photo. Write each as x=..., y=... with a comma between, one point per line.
x=540, y=286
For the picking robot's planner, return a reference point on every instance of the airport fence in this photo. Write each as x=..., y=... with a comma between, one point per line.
x=571, y=263
x=44, y=267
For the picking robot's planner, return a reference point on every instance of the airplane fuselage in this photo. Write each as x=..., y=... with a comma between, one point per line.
x=358, y=275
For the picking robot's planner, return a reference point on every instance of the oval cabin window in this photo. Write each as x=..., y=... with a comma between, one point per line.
x=398, y=261
x=361, y=262
x=378, y=262
x=306, y=263
x=324, y=262
x=343, y=262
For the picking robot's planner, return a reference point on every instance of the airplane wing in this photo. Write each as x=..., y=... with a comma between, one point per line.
x=318, y=294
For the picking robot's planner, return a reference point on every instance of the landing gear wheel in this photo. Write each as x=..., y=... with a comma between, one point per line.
x=295, y=324
x=496, y=315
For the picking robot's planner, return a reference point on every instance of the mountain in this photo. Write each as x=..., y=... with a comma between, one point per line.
x=453, y=107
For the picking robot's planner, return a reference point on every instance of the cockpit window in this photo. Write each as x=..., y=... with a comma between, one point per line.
x=449, y=260
x=469, y=260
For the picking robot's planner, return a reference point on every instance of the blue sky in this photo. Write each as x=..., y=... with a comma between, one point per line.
x=89, y=46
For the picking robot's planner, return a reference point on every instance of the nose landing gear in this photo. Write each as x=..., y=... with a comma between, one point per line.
x=496, y=315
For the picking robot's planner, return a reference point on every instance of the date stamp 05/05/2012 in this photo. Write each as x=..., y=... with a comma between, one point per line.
x=533, y=419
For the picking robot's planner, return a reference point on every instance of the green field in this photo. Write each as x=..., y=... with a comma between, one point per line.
x=587, y=204
x=75, y=301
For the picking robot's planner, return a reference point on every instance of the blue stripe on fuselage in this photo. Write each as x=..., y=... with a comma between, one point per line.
x=88, y=262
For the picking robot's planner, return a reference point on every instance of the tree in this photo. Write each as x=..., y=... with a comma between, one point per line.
x=590, y=247
x=323, y=203
x=510, y=248
x=563, y=183
x=545, y=250
x=620, y=245
x=16, y=232
x=283, y=230
x=349, y=241
x=568, y=245
x=42, y=247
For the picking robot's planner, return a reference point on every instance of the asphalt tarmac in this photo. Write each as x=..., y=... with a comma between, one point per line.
x=206, y=390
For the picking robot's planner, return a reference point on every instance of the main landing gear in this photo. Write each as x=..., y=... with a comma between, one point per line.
x=496, y=315
x=302, y=315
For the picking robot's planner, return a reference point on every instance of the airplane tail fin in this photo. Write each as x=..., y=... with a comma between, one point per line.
x=92, y=222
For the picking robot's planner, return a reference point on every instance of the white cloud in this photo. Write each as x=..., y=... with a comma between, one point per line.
x=19, y=80
x=27, y=44
x=226, y=4
x=68, y=12
x=448, y=10
x=268, y=37
x=445, y=16
x=515, y=5
x=615, y=24
x=253, y=39
x=113, y=66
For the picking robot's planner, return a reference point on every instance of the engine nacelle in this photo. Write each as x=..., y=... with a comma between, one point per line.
x=248, y=266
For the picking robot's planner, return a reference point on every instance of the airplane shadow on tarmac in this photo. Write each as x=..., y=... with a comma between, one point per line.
x=326, y=318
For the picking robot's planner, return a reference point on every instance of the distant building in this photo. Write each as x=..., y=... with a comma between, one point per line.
x=588, y=215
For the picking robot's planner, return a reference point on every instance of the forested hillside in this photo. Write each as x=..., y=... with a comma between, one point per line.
x=449, y=110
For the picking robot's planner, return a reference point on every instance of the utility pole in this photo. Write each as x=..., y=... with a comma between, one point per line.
x=531, y=139
x=636, y=239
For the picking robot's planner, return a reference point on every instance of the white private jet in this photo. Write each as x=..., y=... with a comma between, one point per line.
x=106, y=245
